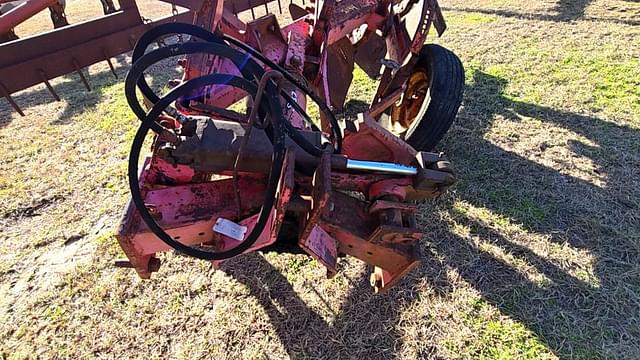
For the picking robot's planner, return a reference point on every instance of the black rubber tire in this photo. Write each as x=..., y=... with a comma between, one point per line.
x=446, y=77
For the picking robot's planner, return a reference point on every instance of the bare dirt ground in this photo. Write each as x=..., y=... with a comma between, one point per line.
x=534, y=254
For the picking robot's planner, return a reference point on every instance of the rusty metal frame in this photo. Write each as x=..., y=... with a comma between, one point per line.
x=39, y=58
x=377, y=227
x=187, y=197
x=22, y=12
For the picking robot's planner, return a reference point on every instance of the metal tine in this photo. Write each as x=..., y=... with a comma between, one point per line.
x=79, y=71
x=108, y=60
x=43, y=76
x=280, y=7
x=13, y=104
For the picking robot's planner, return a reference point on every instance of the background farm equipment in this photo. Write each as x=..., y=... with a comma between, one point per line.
x=70, y=47
x=221, y=181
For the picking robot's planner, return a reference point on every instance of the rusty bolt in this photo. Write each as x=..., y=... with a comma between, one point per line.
x=295, y=60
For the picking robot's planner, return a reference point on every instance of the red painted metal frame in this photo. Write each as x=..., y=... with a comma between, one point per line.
x=377, y=227
x=380, y=230
x=39, y=58
x=308, y=45
x=21, y=13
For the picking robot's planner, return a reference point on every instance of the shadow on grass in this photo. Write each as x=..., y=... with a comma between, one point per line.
x=574, y=316
x=71, y=90
x=361, y=328
x=565, y=11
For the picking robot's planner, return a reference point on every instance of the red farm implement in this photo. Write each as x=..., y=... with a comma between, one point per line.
x=220, y=181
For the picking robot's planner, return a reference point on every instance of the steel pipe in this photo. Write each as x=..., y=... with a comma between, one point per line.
x=385, y=167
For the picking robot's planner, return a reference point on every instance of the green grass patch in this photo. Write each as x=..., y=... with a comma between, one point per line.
x=500, y=337
x=604, y=80
x=470, y=19
x=615, y=81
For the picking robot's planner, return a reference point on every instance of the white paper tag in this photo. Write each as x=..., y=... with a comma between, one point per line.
x=230, y=229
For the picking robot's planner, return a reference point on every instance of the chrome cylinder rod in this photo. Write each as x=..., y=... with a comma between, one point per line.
x=389, y=168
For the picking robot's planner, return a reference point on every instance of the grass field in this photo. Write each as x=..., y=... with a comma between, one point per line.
x=534, y=254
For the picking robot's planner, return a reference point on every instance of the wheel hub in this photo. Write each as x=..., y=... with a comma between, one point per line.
x=407, y=110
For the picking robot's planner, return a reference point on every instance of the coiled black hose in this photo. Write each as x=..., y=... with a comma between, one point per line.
x=248, y=68
x=251, y=74
x=182, y=28
x=272, y=104
x=272, y=182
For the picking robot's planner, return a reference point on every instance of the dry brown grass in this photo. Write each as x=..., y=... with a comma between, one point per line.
x=533, y=255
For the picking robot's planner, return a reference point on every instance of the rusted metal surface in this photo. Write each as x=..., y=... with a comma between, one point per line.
x=340, y=61
x=69, y=49
x=239, y=6
x=321, y=246
x=369, y=51
x=347, y=15
x=270, y=233
x=368, y=140
x=379, y=107
x=194, y=5
x=187, y=212
x=22, y=12
x=5, y=92
x=314, y=239
x=380, y=205
x=220, y=170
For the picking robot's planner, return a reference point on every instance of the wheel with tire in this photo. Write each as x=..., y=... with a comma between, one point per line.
x=430, y=101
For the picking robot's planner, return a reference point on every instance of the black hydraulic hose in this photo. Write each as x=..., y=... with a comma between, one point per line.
x=193, y=30
x=251, y=73
x=272, y=183
x=247, y=66
x=335, y=127
x=165, y=29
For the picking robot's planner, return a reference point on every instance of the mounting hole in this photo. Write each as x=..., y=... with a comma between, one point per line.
x=177, y=237
x=201, y=234
x=369, y=253
x=350, y=246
